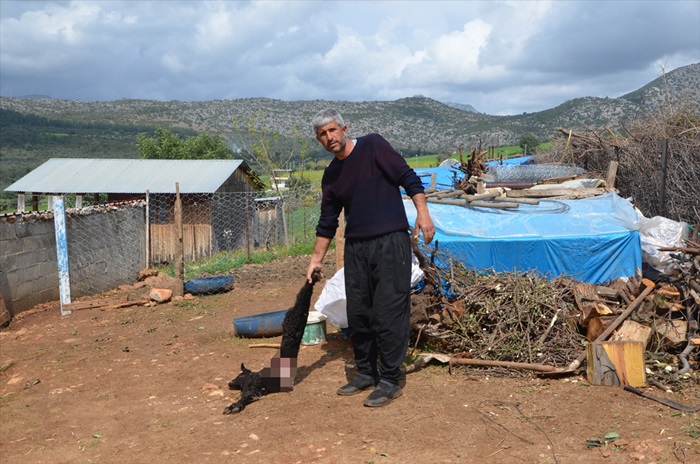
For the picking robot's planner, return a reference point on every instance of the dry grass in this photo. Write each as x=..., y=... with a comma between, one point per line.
x=659, y=186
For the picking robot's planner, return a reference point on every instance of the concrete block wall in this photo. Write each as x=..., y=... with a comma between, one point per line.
x=106, y=248
x=28, y=271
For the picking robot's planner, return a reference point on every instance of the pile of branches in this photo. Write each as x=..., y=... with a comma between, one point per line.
x=474, y=167
x=516, y=317
x=658, y=158
x=522, y=320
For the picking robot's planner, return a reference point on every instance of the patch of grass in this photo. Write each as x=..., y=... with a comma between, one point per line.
x=692, y=429
x=5, y=367
x=226, y=261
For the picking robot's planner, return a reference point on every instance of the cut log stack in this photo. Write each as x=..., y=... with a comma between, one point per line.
x=666, y=322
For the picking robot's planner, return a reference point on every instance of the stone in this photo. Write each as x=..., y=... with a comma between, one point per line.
x=161, y=295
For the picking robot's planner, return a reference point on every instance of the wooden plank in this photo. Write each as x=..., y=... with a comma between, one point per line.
x=483, y=196
x=612, y=173
x=606, y=292
x=632, y=331
x=554, y=192
x=447, y=201
x=611, y=327
x=668, y=291
x=494, y=363
x=490, y=204
x=98, y=303
x=139, y=302
x=559, y=179
x=584, y=295
x=449, y=193
x=616, y=364
x=646, y=283
x=524, y=201
x=671, y=332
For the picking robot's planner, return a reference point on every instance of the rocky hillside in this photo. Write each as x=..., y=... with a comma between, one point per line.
x=409, y=123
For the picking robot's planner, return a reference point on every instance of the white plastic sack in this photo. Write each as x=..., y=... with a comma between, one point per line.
x=659, y=232
x=332, y=302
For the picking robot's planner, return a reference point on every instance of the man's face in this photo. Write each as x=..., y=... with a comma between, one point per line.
x=332, y=137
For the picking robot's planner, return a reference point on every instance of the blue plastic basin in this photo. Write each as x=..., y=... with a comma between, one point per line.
x=260, y=325
x=209, y=285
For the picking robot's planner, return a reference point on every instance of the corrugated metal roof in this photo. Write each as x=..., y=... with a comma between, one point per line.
x=75, y=175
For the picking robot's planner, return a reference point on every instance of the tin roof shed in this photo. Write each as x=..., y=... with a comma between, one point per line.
x=131, y=176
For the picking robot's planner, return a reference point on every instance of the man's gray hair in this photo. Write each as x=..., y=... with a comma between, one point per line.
x=326, y=116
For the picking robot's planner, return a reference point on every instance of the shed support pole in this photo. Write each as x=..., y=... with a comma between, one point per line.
x=59, y=221
x=179, y=247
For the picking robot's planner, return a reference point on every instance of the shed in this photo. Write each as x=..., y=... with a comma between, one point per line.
x=203, y=185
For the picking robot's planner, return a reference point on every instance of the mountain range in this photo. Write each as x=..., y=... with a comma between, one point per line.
x=414, y=123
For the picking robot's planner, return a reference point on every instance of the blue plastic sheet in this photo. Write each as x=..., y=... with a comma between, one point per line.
x=594, y=240
x=447, y=177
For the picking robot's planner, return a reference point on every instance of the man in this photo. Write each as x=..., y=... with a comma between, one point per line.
x=363, y=180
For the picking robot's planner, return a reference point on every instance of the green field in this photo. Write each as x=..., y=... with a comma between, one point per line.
x=9, y=204
x=425, y=161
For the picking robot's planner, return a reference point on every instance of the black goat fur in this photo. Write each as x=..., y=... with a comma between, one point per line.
x=255, y=385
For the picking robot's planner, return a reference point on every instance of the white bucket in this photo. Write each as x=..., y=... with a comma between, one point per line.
x=315, y=330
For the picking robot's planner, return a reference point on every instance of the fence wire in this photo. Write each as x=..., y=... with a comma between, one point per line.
x=109, y=244
x=106, y=247
x=531, y=172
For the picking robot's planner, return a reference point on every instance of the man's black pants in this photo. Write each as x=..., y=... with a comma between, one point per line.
x=378, y=292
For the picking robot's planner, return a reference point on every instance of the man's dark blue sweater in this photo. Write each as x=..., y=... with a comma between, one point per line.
x=366, y=184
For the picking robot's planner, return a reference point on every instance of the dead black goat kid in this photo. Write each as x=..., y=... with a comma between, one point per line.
x=279, y=377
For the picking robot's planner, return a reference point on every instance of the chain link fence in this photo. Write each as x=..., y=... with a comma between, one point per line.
x=109, y=244
x=225, y=227
x=105, y=247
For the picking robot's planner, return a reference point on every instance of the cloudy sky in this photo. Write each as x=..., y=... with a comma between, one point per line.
x=502, y=57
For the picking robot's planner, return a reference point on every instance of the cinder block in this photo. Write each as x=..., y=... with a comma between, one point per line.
x=8, y=262
x=7, y=231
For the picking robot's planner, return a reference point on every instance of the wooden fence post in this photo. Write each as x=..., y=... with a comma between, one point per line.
x=662, y=182
x=179, y=247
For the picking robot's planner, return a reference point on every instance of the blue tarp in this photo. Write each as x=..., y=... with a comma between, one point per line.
x=594, y=240
x=446, y=175
x=519, y=161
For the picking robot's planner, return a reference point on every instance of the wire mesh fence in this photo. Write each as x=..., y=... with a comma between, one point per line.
x=109, y=244
x=106, y=247
x=531, y=172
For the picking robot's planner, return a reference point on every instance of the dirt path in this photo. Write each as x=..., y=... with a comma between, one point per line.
x=148, y=385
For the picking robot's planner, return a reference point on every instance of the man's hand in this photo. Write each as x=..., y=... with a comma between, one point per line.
x=316, y=263
x=424, y=222
x=314, y=267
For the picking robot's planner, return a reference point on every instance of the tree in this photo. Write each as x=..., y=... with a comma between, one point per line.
x=167, y=145
x=261, y=144
x=529, y=141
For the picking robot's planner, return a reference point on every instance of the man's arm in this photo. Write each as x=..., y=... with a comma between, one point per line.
x=320, y=249
x=423, y=220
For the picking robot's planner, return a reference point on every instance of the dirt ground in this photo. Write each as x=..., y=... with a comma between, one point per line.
x=149, y=385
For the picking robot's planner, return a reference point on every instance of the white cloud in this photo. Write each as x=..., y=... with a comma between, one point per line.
x=500, y=57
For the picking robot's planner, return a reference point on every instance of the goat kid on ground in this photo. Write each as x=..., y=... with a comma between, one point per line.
x=279, y=377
